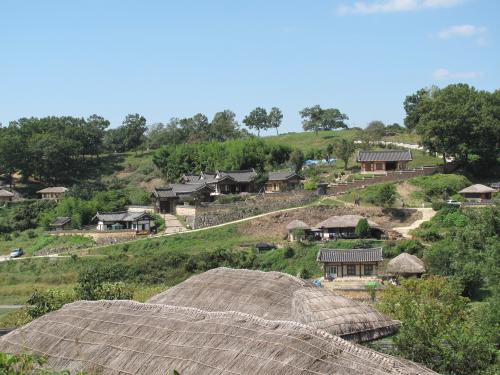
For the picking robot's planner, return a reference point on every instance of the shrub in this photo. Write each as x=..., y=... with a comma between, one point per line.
x=42, y=302
x=362, y=229
x=310, y=185
x=440, y=185
x=288, y=253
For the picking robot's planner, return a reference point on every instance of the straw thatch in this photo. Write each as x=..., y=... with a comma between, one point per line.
x=278, y=296
x=296, y=224
x=125, y=337
x=405, y=264
x=345, y=221
x=477, y=188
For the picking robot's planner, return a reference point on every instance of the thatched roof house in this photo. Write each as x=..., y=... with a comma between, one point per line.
x=54, y=192
x=477, y=192
x=125, y=337
x=405, y=264
x=279, y=296
x=296, y=224
x=6, y=196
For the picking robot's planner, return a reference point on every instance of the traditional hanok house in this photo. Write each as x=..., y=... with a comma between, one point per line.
x=54, y=192
x=349, y=262
x=123, y=220
x=225, y=182
x=297, y=230
x=383, y=161
x=477, y=193
x=165, y=199
x=282, y=181
x=405, y=265
x=343, y=227
x=61, y=223
x=6, y=196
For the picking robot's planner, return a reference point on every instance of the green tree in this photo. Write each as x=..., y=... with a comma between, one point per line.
x=412, y=106
x=43, y=302
x=274, y=118
x=316, y=118
x=437, y=328
x=257, y=119
x=297, y=159
x=375, y=130
x=344, y=149
x=362, y=229
x=133, y=127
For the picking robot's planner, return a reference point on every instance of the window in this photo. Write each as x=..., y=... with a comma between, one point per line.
x=331, y=270
x=368, y=269
x=351, y=270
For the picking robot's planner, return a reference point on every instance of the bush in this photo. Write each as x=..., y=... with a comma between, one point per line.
x=310, y=185
x=42, y=302
x=440, y=185
x=288, y=253
x=362, y=229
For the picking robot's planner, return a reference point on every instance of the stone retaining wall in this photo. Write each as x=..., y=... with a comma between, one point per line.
x=215, y=214
x=377, y=179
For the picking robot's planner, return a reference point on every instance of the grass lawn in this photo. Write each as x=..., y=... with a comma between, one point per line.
x=413, y=139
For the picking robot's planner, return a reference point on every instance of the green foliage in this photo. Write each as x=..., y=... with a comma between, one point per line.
x=310, y=185
x=456, y=121
x=440, y=186
x=297, y=160
x=42, y=302
x=249, y=153
x=379, y=195
x=362, y=229
x=288, y=253
x=101, y=283
x=27, y=364
x=316, y=118
x=413, y=247
x=433, y=313
x=344, y=149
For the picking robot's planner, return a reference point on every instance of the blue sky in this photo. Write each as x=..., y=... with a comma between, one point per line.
x=167, y=59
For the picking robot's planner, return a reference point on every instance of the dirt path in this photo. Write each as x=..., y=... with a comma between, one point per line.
x=172, y=224
x=427, y=214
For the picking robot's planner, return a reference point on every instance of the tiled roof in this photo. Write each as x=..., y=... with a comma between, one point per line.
x=477, y=188
x=344, y=221
x=5, y=193
x=54, y=189
x=120, y=216
x=60, y=221
x=214, y=177
x=174, y=190
x=282, y=176
x=349, y=255
x=392, y=155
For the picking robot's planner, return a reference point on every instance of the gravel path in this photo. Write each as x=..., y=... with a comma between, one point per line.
x=427, y=214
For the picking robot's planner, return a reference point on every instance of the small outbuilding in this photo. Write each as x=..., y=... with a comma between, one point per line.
x=297, y=230
x=477, y=193
x=349, y=262
x=6, y=196
x=282, y=181
x=405, y=265
x=55, y=192
x=383, y=161
x=61, y=223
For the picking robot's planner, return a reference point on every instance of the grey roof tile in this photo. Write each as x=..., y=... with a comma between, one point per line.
x=349, y=255
x=391, y=155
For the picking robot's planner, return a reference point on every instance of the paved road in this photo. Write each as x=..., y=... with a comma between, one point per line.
x=11, y=306
x=427, y=214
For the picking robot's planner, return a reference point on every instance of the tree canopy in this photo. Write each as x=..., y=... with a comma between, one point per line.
x=316, y=118
x=456, y=121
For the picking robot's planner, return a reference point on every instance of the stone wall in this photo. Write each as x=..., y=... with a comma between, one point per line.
x=377, y=179
x=100, y=237
x=215, y=214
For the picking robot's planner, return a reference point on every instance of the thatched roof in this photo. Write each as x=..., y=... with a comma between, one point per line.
x=278, y=296
x=125, y=337
x=344, y=221
x=54, y=189
x=477, y=188
x=297, y=224
x=6, y=193
x=405, y=263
